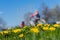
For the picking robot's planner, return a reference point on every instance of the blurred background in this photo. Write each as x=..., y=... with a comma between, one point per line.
x=12, y=12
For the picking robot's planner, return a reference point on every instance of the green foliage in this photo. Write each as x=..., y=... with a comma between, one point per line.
x=28, y=35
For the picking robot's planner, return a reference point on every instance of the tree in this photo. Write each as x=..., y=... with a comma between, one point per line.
x=46, y=13
x=55, y=13
x=2, y=24
x=27, y=18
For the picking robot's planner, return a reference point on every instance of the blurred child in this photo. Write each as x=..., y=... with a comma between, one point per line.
x=38, y=18
x=22, y=24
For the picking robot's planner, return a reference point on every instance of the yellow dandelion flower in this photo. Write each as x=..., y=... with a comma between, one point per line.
x=56, y=25
x=45, y=28
x=52, y=28
x=16, y=30
x=1, y=33
x=46, y=25
x=39, y=25
x=21, y=35
x=35, y=30
x=5, y=32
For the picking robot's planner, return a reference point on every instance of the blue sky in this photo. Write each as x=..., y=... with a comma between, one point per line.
x=12, y=11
